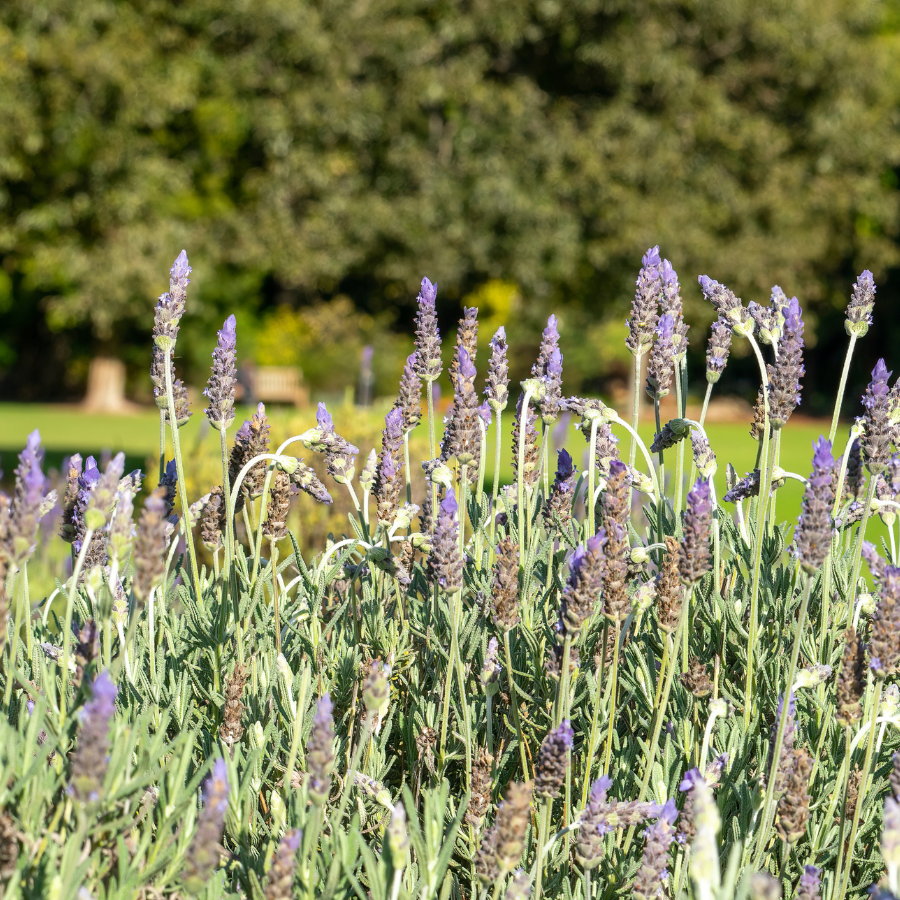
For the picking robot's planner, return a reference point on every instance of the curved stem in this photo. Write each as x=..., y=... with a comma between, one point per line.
x=841, y=388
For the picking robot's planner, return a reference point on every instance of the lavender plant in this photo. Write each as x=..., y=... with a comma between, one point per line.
x=452, y=710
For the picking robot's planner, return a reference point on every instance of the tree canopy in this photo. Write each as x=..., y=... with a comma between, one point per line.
x=303, y=149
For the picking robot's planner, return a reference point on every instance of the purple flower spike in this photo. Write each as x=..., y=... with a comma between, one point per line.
x=693, y=552
x=221, y=387
x=428, y=338
x=91, y=758
x=320, y=751
x=813, y=534
x=203, y=854
x=645, y=307
x=466, y=368
x=878, y=432
x=554, y=364
x=661, y=369
x=427, y=293
x=862, y=301
x=444, y=564
x=810, y=884
x=651, y=258
x=553, y=761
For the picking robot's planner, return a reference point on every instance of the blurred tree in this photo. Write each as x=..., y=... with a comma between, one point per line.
x=303, y=149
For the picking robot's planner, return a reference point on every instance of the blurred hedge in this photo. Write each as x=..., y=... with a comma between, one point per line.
x=303, y=150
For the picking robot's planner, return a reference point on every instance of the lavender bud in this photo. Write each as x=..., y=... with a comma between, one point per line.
x=340, y=454
x=505, y=592
x=876, y=437
x=594, y=825
x=661, y=368
x=785, y=375
x=409, y=396
x=813, y=533
x=653, y=875
x=428, y=338
x=220, y=389
x=694, y=557
x=717, y=351
x=150, y=546
x=91, y=758
x=673, y=432
x=320, y=752
x=445, y=565
x=203, y=854
x=369, y=471
x=398, y=835
x=170, y=306
x=305, y=479
x=862, y=301
x=644, y=308
x=810, y=884
x=884, y=644
x=553, y=761
x=284, y=866
x=497, y=386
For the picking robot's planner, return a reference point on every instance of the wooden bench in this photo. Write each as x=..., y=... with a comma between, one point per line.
x=277, y=384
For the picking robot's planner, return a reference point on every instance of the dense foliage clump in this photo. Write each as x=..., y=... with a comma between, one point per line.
x=604, y=683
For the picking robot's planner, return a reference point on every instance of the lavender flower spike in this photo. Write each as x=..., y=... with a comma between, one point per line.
x=785, y=375
x=553, y=760
x=717, y=351
x=280, y=883
x=693, y=552
x=884, y=644
x=26, y=505
x=876, y=437
x=726, y=304
x=810, y=884
x=662, y=359
x=103, y=496
x=862, y=301
x=594, y=825
x=170, y=307
x=653, y=875
x=445, y=565
x=220, y=389
x=203, y=854
x=320, y=752
x=497, y=387
x=813, y=535
x=428, y=338
x=670, y=303
x=91, y=757
x=644, y=308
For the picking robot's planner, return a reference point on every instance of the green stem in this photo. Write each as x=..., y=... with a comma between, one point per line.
x=860, y=537
x=769, y=805
x=496, y=488
x=635, y=407
x=864, y=775
x=514, y=705
x=67, y=634
x=182, y=482
x=841, y=388
x=162, y=442
x=668, y=675
x=611, y=719
x=543, y=823
x=595, y=720
x=679, y=459
x=592, y=476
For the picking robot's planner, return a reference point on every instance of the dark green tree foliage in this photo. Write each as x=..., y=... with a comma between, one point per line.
x=339, y=146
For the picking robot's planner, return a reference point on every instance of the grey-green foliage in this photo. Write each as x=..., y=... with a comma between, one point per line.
x=346, y=145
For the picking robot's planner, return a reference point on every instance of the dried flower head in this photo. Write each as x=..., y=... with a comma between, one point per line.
x=221, y=387
x=480, y=797
x=67, y=529
x=251, y=440
x=553, y=761
x=389, y=478
x=212, y=524
x=505, y=590
x=645, y=307
x=513, y=816
x=281, y=490
x=582, y=591
x=530, y=473
x=851, y=683
x=462, y=437
x=793, y=807
x=548, y=369
x=558, y=505
x=231, y=728
x=669, y=591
